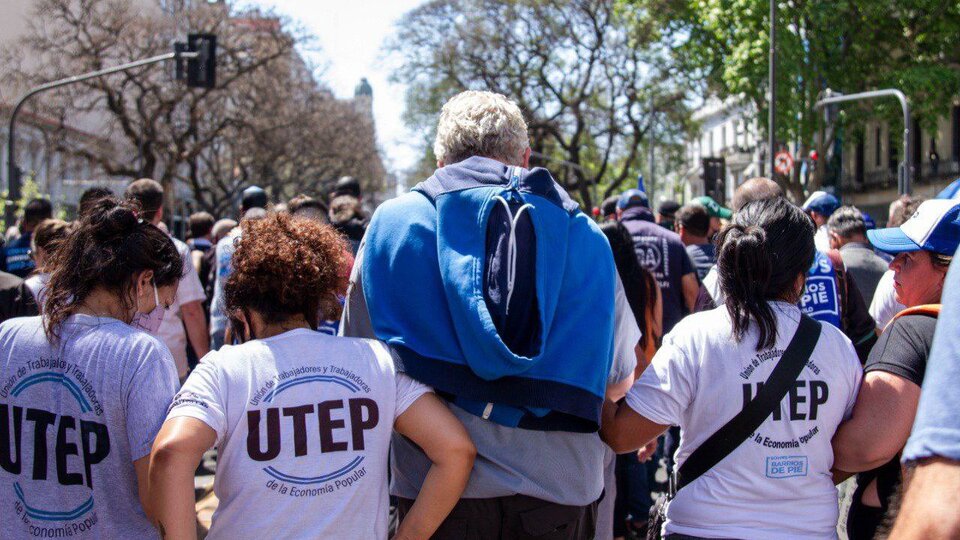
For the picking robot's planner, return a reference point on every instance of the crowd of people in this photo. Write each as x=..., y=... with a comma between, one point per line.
x=480, y=358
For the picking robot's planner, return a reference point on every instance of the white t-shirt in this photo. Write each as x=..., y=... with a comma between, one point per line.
x=777, y=484
x=303, y=424
x=884, y=305
x=171, y=331
x=821, y=239
x=711, y=282
x=37, y=283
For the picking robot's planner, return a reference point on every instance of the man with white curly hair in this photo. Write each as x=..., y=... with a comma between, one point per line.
x=490, y=285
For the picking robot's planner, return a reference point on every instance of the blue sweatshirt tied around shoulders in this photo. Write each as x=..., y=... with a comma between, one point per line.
x=492, y=287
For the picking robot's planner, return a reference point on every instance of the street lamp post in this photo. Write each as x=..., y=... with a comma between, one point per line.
x=200, y=54
x=13, y=171
x=906, y=167
x=772, y=103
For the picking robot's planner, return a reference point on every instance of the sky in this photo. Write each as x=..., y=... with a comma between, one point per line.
x=350, y=35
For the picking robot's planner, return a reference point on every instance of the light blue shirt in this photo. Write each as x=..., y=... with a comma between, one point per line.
x=936, y=430
x=224, y=254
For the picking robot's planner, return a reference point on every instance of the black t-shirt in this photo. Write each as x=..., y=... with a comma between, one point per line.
x=902, y=350
x=16, y=300
x=662, y=253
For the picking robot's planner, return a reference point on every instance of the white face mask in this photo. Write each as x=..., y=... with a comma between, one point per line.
x=150, y=322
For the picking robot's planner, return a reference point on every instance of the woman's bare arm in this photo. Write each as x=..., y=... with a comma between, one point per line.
x=431, y=425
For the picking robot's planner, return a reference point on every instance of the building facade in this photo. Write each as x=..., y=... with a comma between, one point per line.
x=730, y=148
x=870, y=162
x=727, y=150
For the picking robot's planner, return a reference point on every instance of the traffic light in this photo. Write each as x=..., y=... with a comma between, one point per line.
x=202, y=70
x=714, y=172
x=199, y=71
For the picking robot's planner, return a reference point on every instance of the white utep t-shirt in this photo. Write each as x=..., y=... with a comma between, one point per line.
x=777, y=484
x=303, y=424
x=171, y=330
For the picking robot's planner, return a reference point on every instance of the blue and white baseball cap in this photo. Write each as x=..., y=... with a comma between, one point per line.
x=822, y=203
x=633, y=197
x=934, y=227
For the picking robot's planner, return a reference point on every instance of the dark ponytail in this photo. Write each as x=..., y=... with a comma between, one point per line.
x=768, y=245
x=108, y=247
x=638, y=283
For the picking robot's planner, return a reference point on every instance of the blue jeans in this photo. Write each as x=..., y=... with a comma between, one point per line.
x=634, y=483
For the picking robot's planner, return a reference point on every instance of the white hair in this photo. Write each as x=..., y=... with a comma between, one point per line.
x=484, y=124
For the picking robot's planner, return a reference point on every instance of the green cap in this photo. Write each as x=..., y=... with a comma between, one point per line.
x=713, y=207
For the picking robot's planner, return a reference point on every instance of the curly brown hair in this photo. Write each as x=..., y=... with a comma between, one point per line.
x=285, y=266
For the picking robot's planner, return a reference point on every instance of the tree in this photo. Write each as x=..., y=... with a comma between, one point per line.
x=294, y=138
x=845, y=45
x=212, y=140
x=590, y=79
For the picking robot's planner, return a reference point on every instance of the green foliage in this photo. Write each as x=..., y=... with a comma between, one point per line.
x=846, y=45
x=594, y=80
x=29, y=190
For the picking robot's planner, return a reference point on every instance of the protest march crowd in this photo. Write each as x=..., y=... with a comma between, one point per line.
x=482, y=359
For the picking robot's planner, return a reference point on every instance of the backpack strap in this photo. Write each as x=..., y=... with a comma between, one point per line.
x=736, y=431
x=932, y=310
x=840, y=273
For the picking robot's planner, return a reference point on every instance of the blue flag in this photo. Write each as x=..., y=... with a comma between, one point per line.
x=640, y=183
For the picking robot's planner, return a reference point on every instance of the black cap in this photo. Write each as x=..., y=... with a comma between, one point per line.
x=253, y=197
x=346, y=185
x=609, y=206
x=668, y=208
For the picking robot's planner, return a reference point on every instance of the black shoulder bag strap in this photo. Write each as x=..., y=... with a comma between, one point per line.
x=741, y=426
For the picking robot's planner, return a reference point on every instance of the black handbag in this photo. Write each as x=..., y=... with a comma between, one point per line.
x=739, y=428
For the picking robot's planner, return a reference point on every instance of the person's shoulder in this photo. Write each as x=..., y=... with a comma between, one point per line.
x=913, y=326
x=695, y=250
x=20, y=324
x=134, y=338
x=229, y=239
x=182, y=246
x=709, y=324
x=394, y=217
x=134, y=346
x=9, y=281
x=401, y=204
x=838, y=346
x=379, y=353
x=671, y=237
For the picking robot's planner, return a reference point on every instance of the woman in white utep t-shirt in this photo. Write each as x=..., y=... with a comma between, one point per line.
x=776, y=484
x=302, y=420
